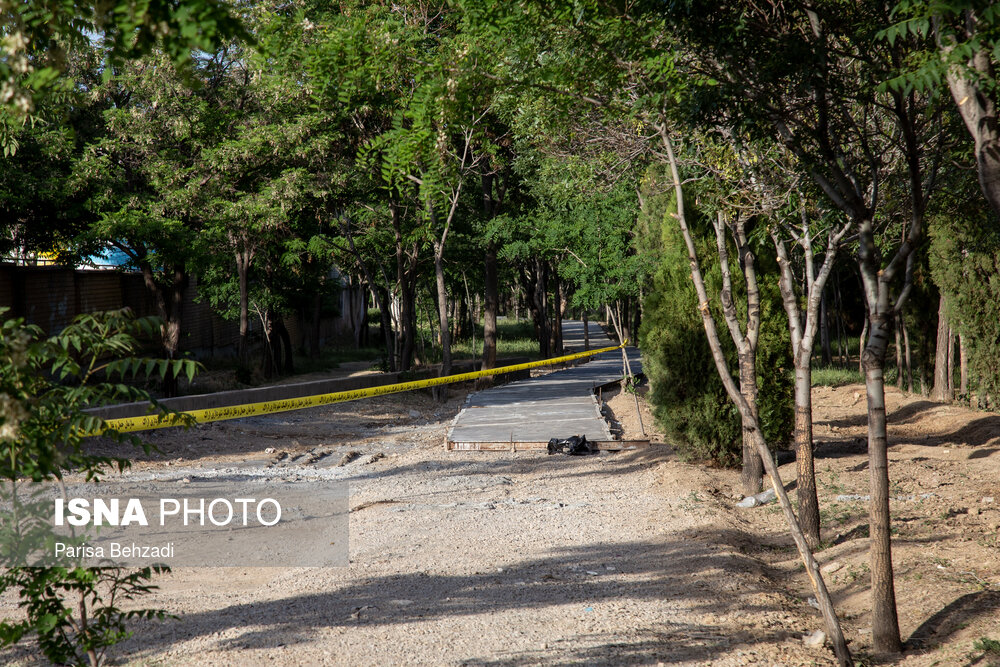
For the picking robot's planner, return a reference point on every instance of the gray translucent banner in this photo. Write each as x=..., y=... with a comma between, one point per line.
x=209, y=523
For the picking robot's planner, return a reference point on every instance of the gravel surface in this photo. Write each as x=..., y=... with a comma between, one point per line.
x=474, y=558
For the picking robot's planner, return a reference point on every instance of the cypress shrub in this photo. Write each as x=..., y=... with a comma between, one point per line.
x=688, y=398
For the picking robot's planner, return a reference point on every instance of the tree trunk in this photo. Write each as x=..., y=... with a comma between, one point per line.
x=824, y=332
x=751, y=424
x=951, y=362
x=406, y=265
x=804, y=463
x=169, y=307
x=537, y=298
x=586, y=332
x=925, y=355
x=490, y=311
x=272, y=351
x=557, y=336
x=963, y=360
x=242, y=272
x=441, y=391
x=940, y=390
x=861, y=347
x=885, y=624
x=842, y=351
x=802, y=327
x=385, y=325
x=285, y=341
x=899, y=355
x=752, y=475
x=625, y=318
x=407, y=313
x=906, y=345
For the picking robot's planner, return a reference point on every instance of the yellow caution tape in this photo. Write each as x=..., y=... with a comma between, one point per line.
x=149, y=422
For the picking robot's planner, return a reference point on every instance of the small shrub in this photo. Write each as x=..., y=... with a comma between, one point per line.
x=45, y=384
x=689, y=401
x=987, y=645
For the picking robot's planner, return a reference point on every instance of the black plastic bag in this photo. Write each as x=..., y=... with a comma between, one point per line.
x=576, y=445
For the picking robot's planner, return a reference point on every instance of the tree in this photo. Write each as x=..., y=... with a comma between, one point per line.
x=133, y=177
x=966, y=35
x=40, y=33
x=803, y=80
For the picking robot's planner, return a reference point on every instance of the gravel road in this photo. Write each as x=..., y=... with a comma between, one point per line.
x=475, y=558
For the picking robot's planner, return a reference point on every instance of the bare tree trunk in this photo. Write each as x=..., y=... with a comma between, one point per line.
x=885, y=622
x=842, y=351
x=804, y=463
x=752, y=474
x=861, y=346
x=539, y=305
x=899, y=355
x=441, y=391
x=406, y=265
x=490, y=311
x=381, y=294
x=906, y=344
x=285, y=340
x=385, y=324
x=925, y=355
x=272, y=351
x=586, y=332
x=940, y=390
x=242, y=271
x=824, y=332
x=557, y=335
x=951, y=362
x=963, y=360
x=979, y=111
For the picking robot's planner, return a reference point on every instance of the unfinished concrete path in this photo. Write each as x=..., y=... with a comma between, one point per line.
x=556, y=405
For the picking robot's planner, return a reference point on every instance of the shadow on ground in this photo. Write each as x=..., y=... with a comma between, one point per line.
x=685, y=570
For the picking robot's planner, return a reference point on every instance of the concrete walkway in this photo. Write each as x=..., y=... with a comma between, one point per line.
x=556, y=405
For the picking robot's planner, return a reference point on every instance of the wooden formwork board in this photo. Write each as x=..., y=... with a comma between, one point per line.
x=606, y=445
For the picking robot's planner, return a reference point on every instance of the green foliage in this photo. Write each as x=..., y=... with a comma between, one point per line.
x=951, y=41
x=835, y=376
x=987, y=645
x=775, y=376
x=689, y=401
x=50, y=596
x=45, y=386
x=965, y=265
x=39, y=35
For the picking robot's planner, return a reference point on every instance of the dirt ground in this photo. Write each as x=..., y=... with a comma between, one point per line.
x=501, y=558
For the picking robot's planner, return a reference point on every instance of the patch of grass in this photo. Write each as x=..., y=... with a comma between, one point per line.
x=855, y=573
x=835, y=376
x=835, y=513
x=834, y=485
x=515, y=338
x=838, y=376
x=987, y=645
